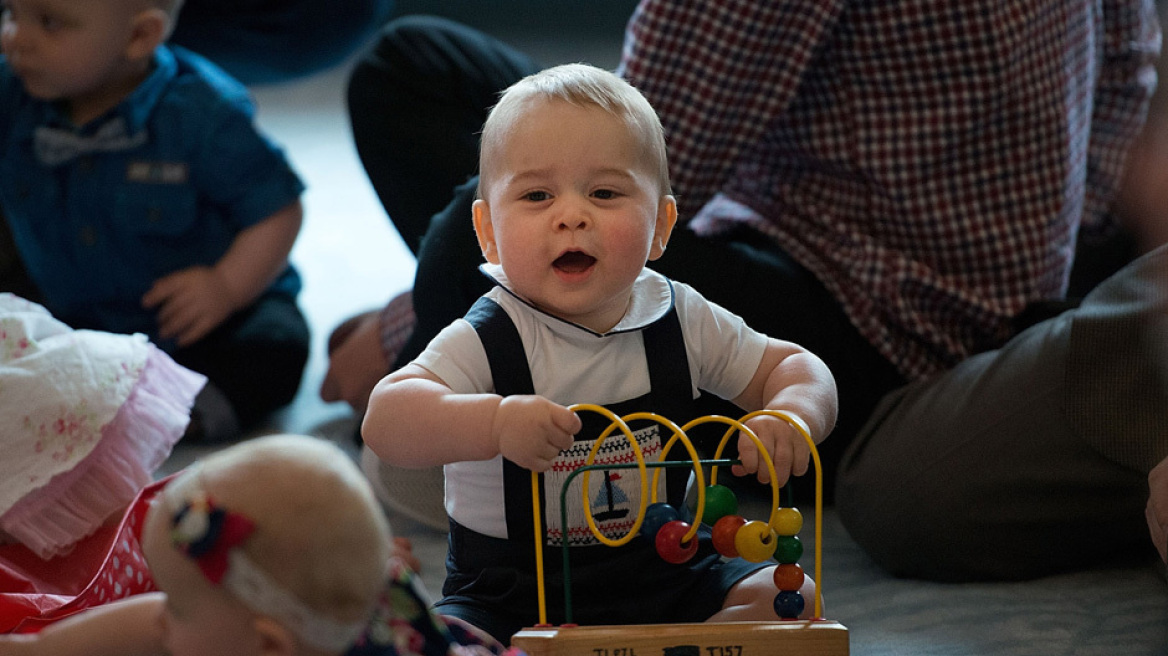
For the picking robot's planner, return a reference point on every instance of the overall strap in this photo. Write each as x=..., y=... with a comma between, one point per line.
x=504, y=347
x=671, y=393
x=668, y=368
x=511, y=375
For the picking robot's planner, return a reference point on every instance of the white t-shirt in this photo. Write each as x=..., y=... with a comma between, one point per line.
x=572, y=364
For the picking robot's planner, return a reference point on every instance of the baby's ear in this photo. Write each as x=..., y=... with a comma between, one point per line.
x=149, y=29
x=485, y=230
x=663, y=227
x=274, y=638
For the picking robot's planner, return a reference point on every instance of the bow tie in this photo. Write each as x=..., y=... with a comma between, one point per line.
x=55, y=146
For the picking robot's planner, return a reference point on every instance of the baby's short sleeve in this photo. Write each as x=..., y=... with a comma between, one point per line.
x=456, y=355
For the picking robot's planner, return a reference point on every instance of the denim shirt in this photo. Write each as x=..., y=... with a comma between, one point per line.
x=97, y=230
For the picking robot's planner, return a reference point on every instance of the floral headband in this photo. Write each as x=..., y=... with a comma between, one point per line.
x=211, y=536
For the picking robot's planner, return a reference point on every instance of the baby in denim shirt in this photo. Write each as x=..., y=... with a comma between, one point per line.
x=141, y=198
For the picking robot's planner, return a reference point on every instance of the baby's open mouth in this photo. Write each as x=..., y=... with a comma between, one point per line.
x=574, y=262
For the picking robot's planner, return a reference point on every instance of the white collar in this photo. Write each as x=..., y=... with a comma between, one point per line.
x=652, y=299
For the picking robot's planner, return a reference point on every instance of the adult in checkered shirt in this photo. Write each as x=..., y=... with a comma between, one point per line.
x=900, y=186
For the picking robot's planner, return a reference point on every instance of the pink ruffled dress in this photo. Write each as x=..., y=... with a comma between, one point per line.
x=86, y=418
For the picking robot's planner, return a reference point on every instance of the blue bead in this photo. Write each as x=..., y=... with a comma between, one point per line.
x=788, y=605
x=657, y=515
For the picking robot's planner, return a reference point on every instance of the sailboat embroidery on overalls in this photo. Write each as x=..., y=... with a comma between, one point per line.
x=615, y=494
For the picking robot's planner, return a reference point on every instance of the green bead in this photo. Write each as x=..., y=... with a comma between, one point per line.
x=720, y=501
x=789, y=549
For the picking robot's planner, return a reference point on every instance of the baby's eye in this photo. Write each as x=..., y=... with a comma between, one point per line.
x=604, y=194
x=536, y=196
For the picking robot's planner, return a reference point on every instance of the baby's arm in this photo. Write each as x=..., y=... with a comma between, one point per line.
x=129, y=627
x=793, y=379
x=194, y=301
x=415, y=420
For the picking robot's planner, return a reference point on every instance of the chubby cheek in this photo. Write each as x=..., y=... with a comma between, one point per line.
x=629, y=239
x=514, y=244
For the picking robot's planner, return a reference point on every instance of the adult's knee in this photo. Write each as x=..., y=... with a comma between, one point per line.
x=437, y=61
x=415, y=48
x=413, y=70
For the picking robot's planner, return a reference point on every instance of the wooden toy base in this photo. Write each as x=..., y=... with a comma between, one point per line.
x=792, y=638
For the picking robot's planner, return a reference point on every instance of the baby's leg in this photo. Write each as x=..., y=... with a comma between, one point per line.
x=753, y=599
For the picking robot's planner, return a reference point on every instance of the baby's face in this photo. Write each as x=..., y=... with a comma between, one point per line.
x=572, y=211
x=199, y=620
x=66, y=49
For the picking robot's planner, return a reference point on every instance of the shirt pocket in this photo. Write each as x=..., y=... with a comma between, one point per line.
x=157, y=214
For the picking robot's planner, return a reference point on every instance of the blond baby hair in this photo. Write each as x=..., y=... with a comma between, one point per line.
x=582, y=85
x=319, y=533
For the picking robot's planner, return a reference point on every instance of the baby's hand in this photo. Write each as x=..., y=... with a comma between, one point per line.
x=531, y=430
x=191, y=303
x=791, y=453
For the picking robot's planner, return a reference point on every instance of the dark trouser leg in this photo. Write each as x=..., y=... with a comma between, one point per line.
x=1024, y=461
x=417, y=102
x=448, y=280
x=256, y=357
x=13, y=276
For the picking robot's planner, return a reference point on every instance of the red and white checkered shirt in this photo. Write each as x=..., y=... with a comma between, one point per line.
x=929, y=160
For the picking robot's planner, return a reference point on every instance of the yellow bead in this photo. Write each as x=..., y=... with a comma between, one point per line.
x=755, y=541
x=788, y=521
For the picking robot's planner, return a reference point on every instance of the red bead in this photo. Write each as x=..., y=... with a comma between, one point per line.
x=657, y=515
x=723, y=534
x=669, y=544
x=789, y=577
x=720, y=502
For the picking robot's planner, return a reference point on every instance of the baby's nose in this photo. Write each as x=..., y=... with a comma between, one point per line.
x=574, y=219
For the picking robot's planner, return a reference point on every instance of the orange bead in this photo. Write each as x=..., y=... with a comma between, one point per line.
x=789, y=577
x=723, y=534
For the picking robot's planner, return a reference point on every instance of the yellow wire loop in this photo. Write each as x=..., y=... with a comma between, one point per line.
x=739, y=425
x=617, y=422
x=679, y=433
x=539, y=578
x=800, y=428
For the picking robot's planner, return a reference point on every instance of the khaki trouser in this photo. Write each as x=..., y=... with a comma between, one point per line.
x=1024, y=461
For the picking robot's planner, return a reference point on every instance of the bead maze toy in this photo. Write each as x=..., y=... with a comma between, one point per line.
x=733, y=537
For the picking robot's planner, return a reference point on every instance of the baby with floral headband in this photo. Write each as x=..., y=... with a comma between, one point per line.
x=272, y=547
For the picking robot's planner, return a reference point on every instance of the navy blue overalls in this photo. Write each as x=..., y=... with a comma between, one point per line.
x=491, y=582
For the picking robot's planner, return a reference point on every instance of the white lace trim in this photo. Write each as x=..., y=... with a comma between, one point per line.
x=256, y=590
